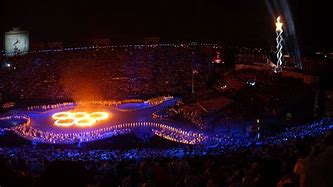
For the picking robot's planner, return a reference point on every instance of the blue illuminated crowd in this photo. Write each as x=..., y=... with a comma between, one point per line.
x=272, y=161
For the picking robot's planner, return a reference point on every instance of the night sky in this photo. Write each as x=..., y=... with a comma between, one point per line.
x=235, y=22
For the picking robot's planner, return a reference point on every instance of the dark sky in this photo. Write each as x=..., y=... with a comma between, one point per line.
x=238, y=22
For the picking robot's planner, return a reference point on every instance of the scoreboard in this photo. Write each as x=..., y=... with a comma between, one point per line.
x=16, y=42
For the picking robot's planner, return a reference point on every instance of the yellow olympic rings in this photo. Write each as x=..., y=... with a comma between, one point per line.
x=99, y=115
x=81, y=115
x=81, y=119
x=62, y=115
x=65, y=122
x=85, y=122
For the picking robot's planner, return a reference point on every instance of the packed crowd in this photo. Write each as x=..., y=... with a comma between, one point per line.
x=283, y=160
x=107, y=73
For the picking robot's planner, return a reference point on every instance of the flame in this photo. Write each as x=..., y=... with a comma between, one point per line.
x=81, y=119
x=278, y=24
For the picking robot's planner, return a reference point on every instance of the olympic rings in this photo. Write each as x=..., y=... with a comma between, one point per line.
x=81, y=115
x=81, y=119
x=99, y=115
x=62, y=115
x=85, y=122
x=65, y=122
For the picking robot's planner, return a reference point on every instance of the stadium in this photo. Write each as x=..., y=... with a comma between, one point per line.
x=201, y=102
x=242, y=110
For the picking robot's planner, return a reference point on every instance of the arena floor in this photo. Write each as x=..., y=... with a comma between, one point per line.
x=122, y=119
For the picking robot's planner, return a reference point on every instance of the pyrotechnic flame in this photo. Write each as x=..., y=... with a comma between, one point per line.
x=278, y=24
